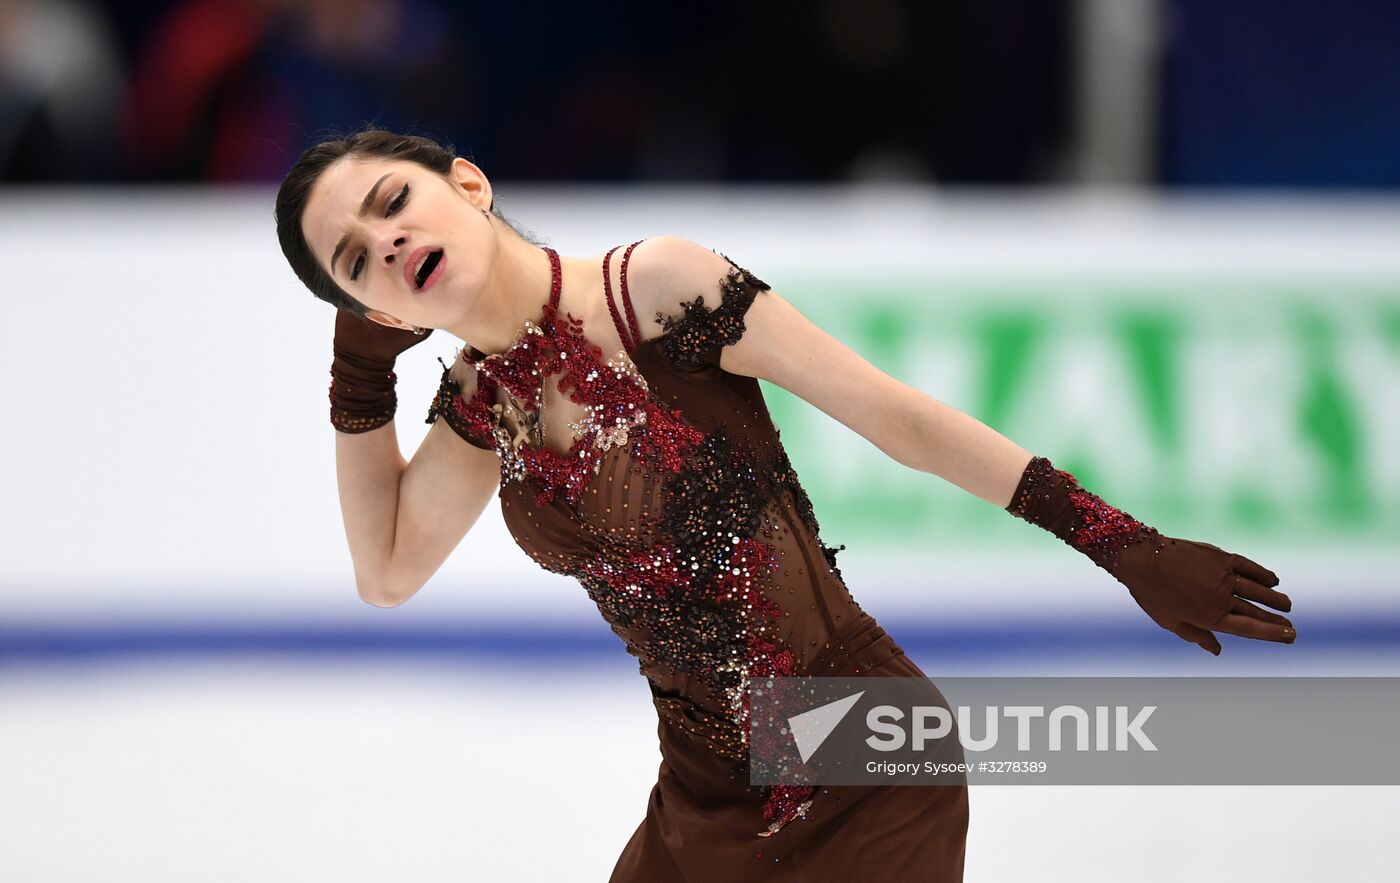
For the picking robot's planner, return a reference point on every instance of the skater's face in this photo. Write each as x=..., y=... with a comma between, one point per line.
x=413, y=246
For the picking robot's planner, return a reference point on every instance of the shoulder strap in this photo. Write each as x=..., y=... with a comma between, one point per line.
x=630, y=343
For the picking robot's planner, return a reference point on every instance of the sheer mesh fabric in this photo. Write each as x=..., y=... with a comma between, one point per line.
x=659, y=481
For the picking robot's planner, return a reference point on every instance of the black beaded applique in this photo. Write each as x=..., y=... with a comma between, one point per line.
x=695, y=338
x=469, y=426
x=695, y=601
x=690, y=594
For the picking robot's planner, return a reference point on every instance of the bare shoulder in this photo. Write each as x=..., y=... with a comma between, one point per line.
x=667, y=271
x=725, y=323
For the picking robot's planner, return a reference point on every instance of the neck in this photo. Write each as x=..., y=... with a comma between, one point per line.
x=517, y=291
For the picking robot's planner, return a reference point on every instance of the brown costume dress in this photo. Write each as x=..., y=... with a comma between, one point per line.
x=678, y=511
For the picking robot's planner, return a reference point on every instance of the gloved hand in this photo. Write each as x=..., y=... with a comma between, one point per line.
x=1188, y=588
x=362, y=371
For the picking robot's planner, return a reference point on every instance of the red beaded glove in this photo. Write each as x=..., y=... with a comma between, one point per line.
x=362, y=372
x=1188, y=588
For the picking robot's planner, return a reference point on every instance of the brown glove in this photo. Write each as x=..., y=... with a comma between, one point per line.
x=1188, y=588
x=362, y=371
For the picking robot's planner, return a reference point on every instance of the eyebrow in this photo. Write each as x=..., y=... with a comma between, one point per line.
x=364, y=210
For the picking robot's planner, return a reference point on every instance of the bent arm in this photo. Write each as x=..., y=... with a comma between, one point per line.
x=402, y=519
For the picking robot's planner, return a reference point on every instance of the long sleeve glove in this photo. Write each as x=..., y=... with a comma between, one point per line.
x=362, y=371
x=1188, y=588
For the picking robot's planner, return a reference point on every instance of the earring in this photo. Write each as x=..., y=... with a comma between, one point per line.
x=417, y=330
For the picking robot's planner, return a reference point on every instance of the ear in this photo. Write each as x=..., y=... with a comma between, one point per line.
x=472, y=181
x=386, y=320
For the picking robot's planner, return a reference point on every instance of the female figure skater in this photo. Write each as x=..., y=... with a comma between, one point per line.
x=614, y=401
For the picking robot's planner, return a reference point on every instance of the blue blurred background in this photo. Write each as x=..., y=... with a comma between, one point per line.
x=1153, y=240
x=1172, y=93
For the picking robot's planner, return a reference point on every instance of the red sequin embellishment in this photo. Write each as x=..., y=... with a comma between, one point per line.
x=1087, y=524
x=1101, y=523
x=693, y=600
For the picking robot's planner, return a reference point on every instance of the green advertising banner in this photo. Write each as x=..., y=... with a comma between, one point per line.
x=1264, y=409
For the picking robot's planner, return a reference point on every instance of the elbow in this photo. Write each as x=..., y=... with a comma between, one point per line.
x=900, y=444
x=387, y=591
x=389, y=583
x=379, y=593
x=893, y=426
x=380, y=600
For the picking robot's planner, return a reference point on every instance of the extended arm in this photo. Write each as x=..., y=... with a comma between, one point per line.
x=907, y=424
x=1187, y=587
x=779, y=344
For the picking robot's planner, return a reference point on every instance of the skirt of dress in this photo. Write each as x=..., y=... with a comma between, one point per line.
x=702, y=819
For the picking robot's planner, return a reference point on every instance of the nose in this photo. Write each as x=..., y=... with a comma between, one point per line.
x=388, y=244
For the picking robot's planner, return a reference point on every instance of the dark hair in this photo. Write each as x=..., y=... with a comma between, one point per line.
x=296, y=187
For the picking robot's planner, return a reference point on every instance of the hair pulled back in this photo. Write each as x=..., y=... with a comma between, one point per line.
x=296, y=188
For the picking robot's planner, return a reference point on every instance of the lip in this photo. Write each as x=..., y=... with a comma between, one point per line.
x=414, y=260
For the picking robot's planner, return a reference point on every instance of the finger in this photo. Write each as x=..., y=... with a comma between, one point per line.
x=1244, y=608
x=1253, y=570
x=1200, y=637
x=1248, y=588
x=1249, y=627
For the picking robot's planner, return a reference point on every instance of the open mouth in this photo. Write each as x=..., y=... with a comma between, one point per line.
x=426, y=268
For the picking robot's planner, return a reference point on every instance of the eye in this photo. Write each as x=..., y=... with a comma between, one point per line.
x=392, y=209
x=398, y=202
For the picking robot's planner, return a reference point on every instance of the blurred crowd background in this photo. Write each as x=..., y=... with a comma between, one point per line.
x=1178, y=93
